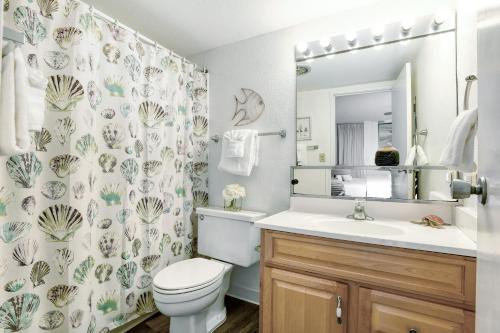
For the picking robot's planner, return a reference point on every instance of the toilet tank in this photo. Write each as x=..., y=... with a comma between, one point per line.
x=229, y=236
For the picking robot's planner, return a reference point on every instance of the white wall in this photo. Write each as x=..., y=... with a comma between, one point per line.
x=267, y=65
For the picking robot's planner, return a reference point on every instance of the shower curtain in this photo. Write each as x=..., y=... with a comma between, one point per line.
x=105, y=198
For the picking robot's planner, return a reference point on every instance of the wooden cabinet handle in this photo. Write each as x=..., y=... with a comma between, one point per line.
x=412, y=330
x=339, y=310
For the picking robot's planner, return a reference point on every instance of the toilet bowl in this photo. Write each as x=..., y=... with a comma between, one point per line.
x=191, y=292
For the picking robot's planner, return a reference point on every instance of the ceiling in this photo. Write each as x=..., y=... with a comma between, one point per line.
x=192, y=26
x=363, y=107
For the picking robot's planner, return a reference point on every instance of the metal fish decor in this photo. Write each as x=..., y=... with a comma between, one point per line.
x=249, y=109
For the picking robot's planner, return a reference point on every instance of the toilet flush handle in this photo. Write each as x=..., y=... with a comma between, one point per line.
x=201, y=217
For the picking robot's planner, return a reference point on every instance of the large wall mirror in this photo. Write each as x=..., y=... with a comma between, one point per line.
x=363, y=109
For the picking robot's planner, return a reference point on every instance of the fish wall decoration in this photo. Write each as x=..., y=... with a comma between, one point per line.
x=249, y=108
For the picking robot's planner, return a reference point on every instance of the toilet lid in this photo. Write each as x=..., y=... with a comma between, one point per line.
x=187, y=274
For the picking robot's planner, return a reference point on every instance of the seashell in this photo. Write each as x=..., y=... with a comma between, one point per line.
x=176, y=248
x=111, y=193
x=67, y=37
x=136, y=246
x=78, y=190
x=200, y=199
x=94, y=94
x=108, y=113
x=92, y=179
x=109, y=244
x=61, y=295
x=139, y=47
x=89, y=25
x=130, y=230
x=179, y=228
x=6, y=5
x=146, y=186
x=56, y=60
x=133, y=129
x=171, y=115
x=151, y=237
x=70, y=6
x=138, y=148
x=76, y=318
x=60, y=222
x=167, y=154
x=144, y=281
x=107, y=162
x=12, y=231
x=125, y=109
x=64, y=165
x=62, y=259
x=65, y=127
x=200, y=147
x=92, y=211
x=151, y=114
x=14, y=285
x=53, y=190
x=92, y=324
x=63, y=93
x=111, y=52
x=115, y=86
x=130, y=299
x=126, y=274
x=197, y=182
x=113, y=135
x=135, y=94
x=129, y=169
x=39, y=270
x=47, y=7
x=27, y=21
x=25, y=251
x=153, y=141
x=104, y=223
x=178, y=165
x=168, y=202
x=24, y=169
x=16, y=313
x=117, y=32
x=108, y=302
x=133, y=67
x=51, y=320
x=33, y=61
x=149, y=263
x=42, y=139
x=153, y=73
x=152, y=168
x=103, y=272
x=86, y=146
x=146, y=90
x=83, y=271
x=200, y=168
x=197, y=107
x=188, y=249
x=145, y=303
x=180, y=191
x=28, y=204
x=200, y=127
x=123, y=215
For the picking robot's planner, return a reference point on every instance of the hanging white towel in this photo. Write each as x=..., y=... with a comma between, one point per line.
x=417, y=156
x=36, y=92
x=235, y=144
x=241, y=166
x=14, y=135
x=458, y=153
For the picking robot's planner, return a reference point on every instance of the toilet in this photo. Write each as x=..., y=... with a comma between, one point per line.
x=191, y=292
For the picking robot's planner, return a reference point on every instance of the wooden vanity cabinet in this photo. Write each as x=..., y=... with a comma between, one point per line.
x=380, y=289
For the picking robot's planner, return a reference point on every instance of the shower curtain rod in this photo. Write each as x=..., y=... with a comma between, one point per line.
x=100, y=15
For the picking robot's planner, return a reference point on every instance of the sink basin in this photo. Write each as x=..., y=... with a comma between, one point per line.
x=356, y=227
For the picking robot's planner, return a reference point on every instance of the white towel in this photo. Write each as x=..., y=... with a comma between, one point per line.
x=235, y=144
x=417, y=154
x=14, y=136
x=241, y=166
x=36, y=99
x=458, y=153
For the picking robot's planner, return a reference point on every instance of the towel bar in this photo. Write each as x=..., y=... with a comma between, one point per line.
x=281, y=133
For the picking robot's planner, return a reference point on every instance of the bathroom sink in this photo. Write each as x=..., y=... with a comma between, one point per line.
x=348, y=226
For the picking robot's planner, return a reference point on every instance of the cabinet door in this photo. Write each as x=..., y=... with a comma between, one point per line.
x=387, y=313
x=297, y=303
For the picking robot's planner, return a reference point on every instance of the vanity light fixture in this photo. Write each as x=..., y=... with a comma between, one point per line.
x=406, y=25
x=326, y=43
x=351, y=38
x=303, y=47
x=378, y=33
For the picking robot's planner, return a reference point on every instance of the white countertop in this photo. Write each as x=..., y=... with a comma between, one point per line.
x=397, y=233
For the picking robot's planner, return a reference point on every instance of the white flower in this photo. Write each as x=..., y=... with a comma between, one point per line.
x=233, y=191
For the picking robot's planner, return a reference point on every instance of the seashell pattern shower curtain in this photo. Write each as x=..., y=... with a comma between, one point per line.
x=105, y=198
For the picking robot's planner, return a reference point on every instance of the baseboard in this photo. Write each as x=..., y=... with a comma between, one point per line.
x=133, y=323
x=244, y=293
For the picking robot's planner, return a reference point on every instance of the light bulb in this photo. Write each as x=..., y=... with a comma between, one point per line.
x=326, y=43
x=351, y=38
x=302, y=47
x=406, y=25
x=439, y=18
x=378, y=33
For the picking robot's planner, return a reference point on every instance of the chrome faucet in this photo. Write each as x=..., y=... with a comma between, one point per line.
x=359, y=211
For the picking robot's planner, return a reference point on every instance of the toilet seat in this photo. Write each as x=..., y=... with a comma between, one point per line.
x=188, y=276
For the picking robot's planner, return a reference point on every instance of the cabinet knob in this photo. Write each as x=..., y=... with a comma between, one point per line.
x=412, y=330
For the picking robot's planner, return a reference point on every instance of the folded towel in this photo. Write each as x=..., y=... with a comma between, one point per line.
x=36, y=99
x=14, y=136
x=458, y=153
x=416, y=156
x=235, y=144
x=241, y=166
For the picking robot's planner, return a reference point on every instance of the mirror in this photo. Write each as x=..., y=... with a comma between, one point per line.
x=367, y=107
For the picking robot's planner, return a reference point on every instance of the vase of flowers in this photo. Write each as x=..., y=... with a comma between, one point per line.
x=233, y=195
